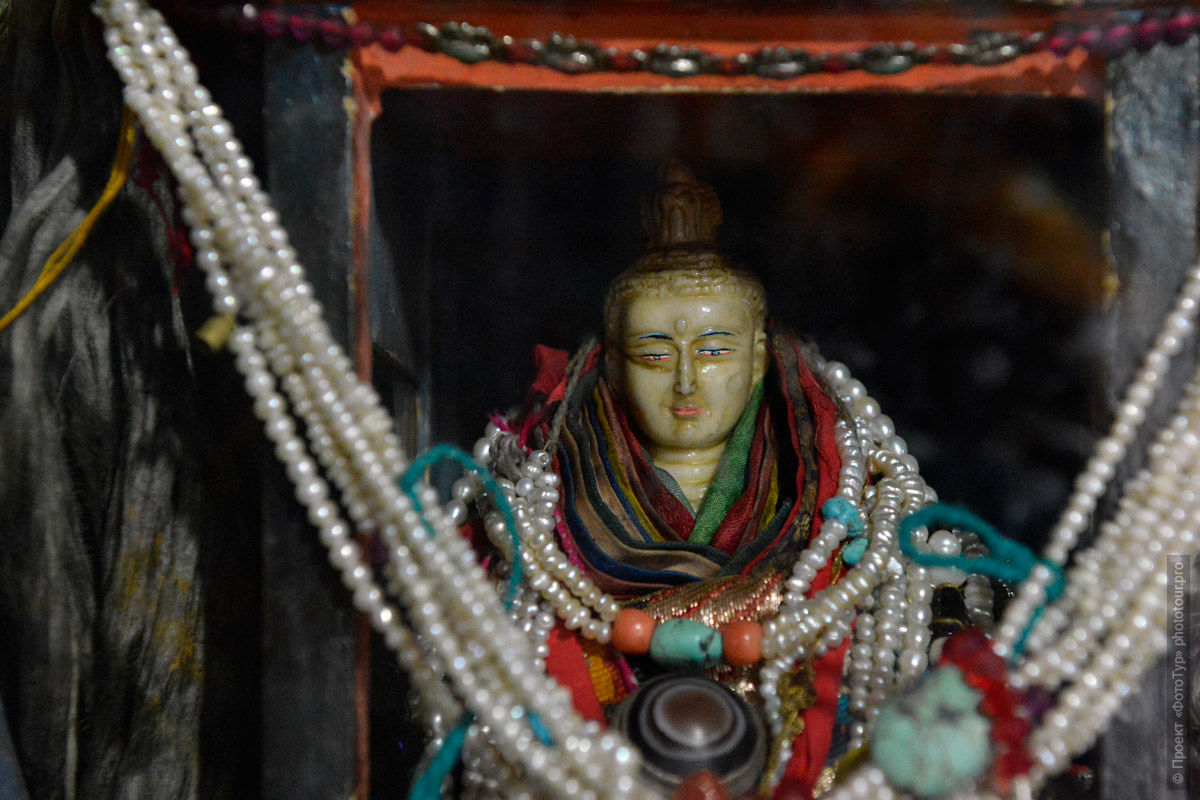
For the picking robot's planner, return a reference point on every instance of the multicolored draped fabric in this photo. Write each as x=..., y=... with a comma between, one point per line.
x=638, y=538
x=632, y=530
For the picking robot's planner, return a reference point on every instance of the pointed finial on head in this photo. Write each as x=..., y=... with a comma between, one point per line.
x=682, y=213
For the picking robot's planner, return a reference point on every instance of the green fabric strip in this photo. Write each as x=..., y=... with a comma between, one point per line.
x=729, y=481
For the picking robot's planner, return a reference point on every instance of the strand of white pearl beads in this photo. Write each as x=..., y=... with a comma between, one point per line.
x=527, y=609
x=842, y=600
x=788, y=636
x=335, y=533
x=878, y=435
x=149, y=41
x=534, y=497
x=1151, y=501
x=128, y=6
x=1132, y=530
x=1178, y=326
x=1099, y=680
x=206, y=201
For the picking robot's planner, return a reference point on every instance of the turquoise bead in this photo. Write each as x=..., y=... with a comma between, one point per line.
x=932, y=740
x=854, y=550
x=685, y=643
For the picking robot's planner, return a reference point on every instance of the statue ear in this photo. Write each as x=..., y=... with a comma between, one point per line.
x=760, y=356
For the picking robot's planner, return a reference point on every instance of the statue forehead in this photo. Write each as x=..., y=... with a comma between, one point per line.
x=684, y=311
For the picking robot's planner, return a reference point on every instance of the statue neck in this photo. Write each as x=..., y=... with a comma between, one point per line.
x=692, y=468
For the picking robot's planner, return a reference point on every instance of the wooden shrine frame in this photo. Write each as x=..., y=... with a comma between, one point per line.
x=317, y=112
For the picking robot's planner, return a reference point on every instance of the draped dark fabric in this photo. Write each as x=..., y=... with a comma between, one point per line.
x=118, y=476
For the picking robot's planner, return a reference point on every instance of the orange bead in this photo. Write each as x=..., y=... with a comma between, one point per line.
x=741, y=643
x=632, y=630
x=701, y=786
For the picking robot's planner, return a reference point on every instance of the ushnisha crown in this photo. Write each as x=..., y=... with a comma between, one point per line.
x=682, y=257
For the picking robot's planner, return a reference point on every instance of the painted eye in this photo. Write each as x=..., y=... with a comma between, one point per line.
x=714, y=351
x=655, y=357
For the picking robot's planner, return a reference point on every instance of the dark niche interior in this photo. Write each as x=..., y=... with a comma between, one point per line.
x=946, y=248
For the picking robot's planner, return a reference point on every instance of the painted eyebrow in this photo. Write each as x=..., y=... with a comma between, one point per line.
x=716, y=332
x=654, y=336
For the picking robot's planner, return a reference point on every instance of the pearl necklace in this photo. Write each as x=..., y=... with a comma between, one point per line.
x=1097, y=640
x=461, y=651
x=464, y=652
x=885, y=599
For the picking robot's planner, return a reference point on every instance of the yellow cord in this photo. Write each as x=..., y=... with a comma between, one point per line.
x=66, y=251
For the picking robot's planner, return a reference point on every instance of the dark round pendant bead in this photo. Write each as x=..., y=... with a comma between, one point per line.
x=427, y=37
x=687, y=724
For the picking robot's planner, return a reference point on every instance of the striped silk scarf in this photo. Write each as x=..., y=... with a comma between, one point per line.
x=635, y=534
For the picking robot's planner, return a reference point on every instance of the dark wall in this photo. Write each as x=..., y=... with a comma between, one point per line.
x=947, y=248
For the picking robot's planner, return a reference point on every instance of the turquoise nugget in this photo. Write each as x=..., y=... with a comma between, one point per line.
x=685, y=643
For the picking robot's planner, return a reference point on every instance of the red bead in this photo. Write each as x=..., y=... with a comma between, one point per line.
x=963, y=646
x=1179, y=28
x=1061, y=44
x=791, y=789
x=301, y=28
x=1149, y=32
x=1010, y=731
x=989, y=666
x=1012, y=764
x=331, y=32
x=521, y=53
x=941, y=56
x=741, y=643
x=834, y=65
x=624, y=62
x=998, y=702
x=391, y=39
x=1118, y=38
x=361, y=33
x=632, y=630
x=271, y=24
x=1091, y=39
x=731, y=66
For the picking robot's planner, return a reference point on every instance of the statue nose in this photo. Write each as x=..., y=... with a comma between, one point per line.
x=685, y=375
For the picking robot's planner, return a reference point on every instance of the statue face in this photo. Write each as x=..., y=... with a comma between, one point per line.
x=689, y=366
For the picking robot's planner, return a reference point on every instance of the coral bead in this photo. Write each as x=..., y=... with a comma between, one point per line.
x=742, y=643
x=632, y=631
x=701, y=786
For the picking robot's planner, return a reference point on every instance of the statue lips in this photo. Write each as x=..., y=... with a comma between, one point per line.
x=686, y=411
